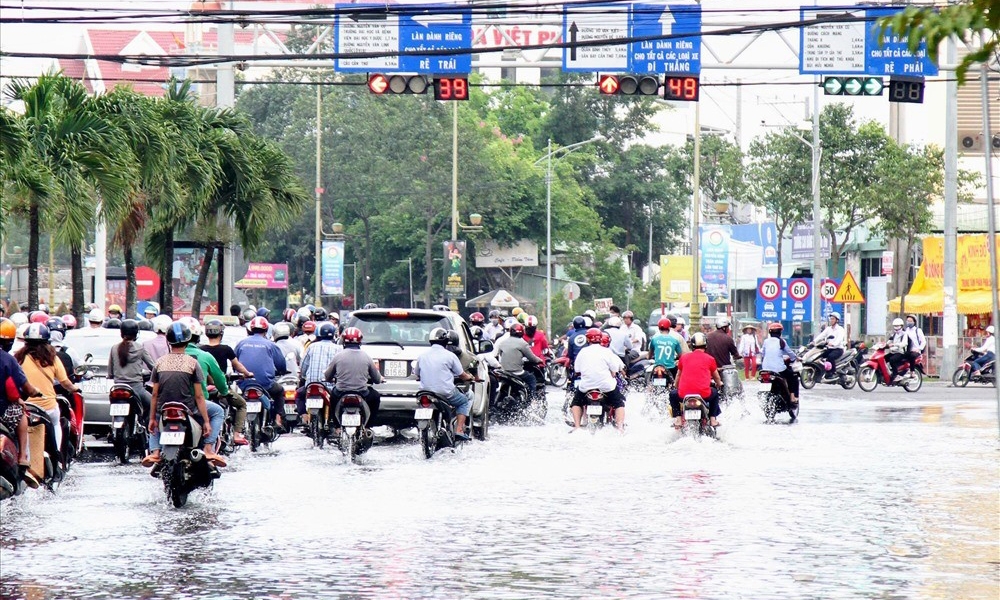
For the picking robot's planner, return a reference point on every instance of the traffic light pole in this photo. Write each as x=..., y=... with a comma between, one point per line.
x=319, y=193
x=695, y=314
x=454, y=172
x=819, y=271
x=991, y=217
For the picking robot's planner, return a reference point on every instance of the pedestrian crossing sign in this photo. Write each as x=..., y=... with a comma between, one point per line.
x=849, y=291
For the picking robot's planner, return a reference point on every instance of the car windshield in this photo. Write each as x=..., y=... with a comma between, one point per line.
x=413, y=330
x=98, y=345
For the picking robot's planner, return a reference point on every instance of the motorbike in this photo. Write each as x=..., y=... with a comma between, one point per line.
x=318, y=406
x=659, y=383
x=964, y=374
x=290, y=386
x=597, y=411
x=10, y=472
x=876, y=371
x=260, y=424
x=128, y=432
x=227, y=444
x=556, y=365
x=694, y=417
x=183, y=466
x=844, y=373
x=47, y=462
x=777, y=399
x=435, y=423
x=353, y=414
x=635, y=370
x=732, y=387
x=515, y=402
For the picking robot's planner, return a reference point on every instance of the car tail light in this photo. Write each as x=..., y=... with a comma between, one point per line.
x=351, y=400
x=426, y=402
x=121, y=395
x=399, y=314
x=594, y=395
x=693, y=403
x=253, y=394
x=316, y=389
x=174, y=414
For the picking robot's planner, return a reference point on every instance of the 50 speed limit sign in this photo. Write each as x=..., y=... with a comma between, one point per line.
x=828, y=289
x=798, y=289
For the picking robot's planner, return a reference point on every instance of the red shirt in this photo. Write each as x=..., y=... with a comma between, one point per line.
x=695, y=376
x=539, y=343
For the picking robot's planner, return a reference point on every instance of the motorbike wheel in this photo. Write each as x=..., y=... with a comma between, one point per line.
x=808, y=377
x=316, y=432
x=914, y=382
x=867, y=378
x=428, y=439
x=347, y=445
x=793, y=412
x=557, y=374
x=960, y=378
x=568, y=410
x=253, y=433
x=480, y=433
x=848, y=380
x=122, y=442
x=178, y=497
x=769, y=404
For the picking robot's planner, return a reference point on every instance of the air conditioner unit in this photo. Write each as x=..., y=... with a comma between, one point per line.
x=996, y=141
x=970, y=141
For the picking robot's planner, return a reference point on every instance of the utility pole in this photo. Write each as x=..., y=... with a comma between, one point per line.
x=225, y=97
x=695, y=314
x=949, y=338
x=819, y=269
x=991, y=217
x=319, y=194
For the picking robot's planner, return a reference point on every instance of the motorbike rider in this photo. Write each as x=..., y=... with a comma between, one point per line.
x=635, y=332
x=836, y=338
x=680, y=326
x=70, y=358
x=95, y=318
x=212, y=371
x=42, y=367
x=352, y=370
x=178, y=377
x=265, y=360
x=987, y=352
x=13, y=382
x=621, y=343
x=126, y=362
x=226, y=358
x=666, y=349
x=721, y=346
x=696, y=371
x=538, y=341
x=317, y=358
x=898, y=341
x=494, y=328
x=917, y=337
x=597, y=368
x=515, y=353
x=293, y=351
x=158, y=347
x=115, y=312
x=436, y=371
x=477, y=319
x=777, y=357
x=576, y=339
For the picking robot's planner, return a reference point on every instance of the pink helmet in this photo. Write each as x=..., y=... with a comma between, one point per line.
x=38, y=316
x=70, y=321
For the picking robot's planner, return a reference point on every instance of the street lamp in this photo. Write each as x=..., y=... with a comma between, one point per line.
x=409, y=263
x=548, y=220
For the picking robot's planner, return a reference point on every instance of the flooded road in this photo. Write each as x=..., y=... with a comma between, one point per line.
x=868, y=496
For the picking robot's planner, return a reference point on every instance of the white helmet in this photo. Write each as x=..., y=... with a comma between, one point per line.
x=615, y=322
x=96, y=316
x=194, y=325
x=723, y=322
x=23, y=327
x=587, y=321
x=990, y=330
x=681, y=321
x=897, y=324
x=836, y=315
x=509, y=322
x=590, y=313
x=19, y=318
x=161, y=323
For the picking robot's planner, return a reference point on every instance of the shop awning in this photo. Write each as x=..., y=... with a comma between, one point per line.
x=927, y=294
x=970, y=302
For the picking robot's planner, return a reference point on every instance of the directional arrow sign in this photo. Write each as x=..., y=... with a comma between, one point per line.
x=833, y=86
x=592, y=23
x=608, y=84
x=852, y=86
x=680, y=55
x=873, y=86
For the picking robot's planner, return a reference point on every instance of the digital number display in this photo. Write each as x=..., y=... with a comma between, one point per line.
x=451, y=88
x=683, y=89
x=904, y=90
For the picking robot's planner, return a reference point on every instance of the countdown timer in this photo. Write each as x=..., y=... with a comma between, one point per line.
x=451, y=88
x=681, y=89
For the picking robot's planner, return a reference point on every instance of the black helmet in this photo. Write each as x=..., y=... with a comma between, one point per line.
x=326, y=331
x=248, y=315
x=439, y=335
x=56, y=324
x=130, y=329
x=319, y=314
x=214, y=328
x=113, y=324
x=579, y=322
x=178, y=334
x=145, y=325
x=453, y=338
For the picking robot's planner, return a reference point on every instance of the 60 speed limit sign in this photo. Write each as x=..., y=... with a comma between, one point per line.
x=798, y=289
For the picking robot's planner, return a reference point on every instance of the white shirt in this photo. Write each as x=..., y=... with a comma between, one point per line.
x=637, y=334
x=620, y=341
x=919, y=341
x=595, y=365
x=492, y=331
x=989, y=345
x=836, y=335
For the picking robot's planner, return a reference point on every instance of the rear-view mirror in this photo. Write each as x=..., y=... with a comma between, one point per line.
x=485, y=346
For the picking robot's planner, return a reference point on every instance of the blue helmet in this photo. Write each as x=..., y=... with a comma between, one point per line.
x=263, y=312
x=579, y=322
x=326, y=331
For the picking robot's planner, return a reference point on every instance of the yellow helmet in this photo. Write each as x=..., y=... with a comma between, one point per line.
x=516, y=311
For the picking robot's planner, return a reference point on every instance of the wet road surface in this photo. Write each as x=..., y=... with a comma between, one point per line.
x=879, y=495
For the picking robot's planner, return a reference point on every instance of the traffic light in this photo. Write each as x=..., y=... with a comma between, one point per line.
x=451, y=88
x=628, y=85
x=906, y=89
x=681, y=88
x=853, y=86
x=379, y=83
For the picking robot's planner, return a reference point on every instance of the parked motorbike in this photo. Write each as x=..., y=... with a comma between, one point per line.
x=844, y=373
x=290, y=386
x=353, y=414
x=260, y=424
x=318, y=405
x=963, y=375
x=776, y=399
x=128, y=433
x=694, y=417
x=435, y=423
x=876, y=371
x=183, y=466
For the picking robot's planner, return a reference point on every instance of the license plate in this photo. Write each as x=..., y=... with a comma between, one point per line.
x=291, y=409
x=692, y=415
x=254, y=407
x=314, y=403
x=394, y=368
x=350, y=420
x=660, y=382
x=595, y=410
x=172, y=438
x=120, y=409
x=423, y=414
x=97, y=386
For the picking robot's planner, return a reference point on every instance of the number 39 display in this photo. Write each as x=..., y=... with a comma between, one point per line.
x=451, y=88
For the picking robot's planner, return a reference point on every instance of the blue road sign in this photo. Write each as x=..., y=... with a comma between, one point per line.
x=852, y=48
x=368, y=28
x=784, y=299
x=593, y=22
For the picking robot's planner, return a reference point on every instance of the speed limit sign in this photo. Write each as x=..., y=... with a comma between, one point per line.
x=828, y=289
x=769, y=289
x=798, y=289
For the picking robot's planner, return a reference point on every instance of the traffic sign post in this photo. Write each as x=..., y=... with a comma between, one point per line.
x=783, y=299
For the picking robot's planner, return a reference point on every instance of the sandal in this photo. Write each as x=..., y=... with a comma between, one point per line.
x=150, y=459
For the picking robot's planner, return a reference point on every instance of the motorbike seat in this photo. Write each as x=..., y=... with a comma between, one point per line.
x=440, y=402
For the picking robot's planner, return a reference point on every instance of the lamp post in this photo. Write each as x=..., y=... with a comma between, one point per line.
x=548, y=220
x=409, y=263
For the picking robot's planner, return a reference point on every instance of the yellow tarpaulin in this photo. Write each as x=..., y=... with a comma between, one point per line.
x=676, y=273
x=927, y=292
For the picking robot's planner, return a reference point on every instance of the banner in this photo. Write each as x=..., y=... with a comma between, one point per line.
x=269, y=276
x=764, y=235
x=676, y=272
x=714, y=252
x=926, y=295
x=489, y=254
x=802, y=242
x=332, y=268
x=454, y=269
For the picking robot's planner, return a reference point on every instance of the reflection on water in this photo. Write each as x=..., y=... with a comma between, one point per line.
x=859, y=499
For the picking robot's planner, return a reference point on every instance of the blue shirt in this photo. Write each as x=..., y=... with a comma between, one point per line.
x=317, y=359
x=575, y=341
x=773, y=355
x=437, y=369
x=262, y=357
x=666, y=349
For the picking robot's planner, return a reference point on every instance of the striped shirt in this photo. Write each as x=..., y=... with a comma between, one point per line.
x=317, y=359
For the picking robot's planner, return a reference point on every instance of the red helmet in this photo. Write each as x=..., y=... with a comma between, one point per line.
x=38, y=316
x=605, y=339
x=352, y=335
x=309, y=327
x=665, y=323
x=258, y=324
x=776, y=326
x=477, y=318
x=593, y=335
x=517, y=330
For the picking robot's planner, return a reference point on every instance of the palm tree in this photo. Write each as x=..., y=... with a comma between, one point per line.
x=21, y=173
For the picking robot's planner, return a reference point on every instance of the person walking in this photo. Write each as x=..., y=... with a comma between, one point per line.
x=749, y=348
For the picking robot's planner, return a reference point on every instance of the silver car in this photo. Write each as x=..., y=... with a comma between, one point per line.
x=394, y=338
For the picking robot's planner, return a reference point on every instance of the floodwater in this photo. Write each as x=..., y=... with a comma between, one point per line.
x=879, y=496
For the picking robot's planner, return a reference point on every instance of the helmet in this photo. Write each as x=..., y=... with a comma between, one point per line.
x=439, y=335
x=908, y=317
x=281, y=331
x=664, y=323
x=591, y=314
x=304, y=314
x=214, y=328
x=628, y=315
x=319, y=314
x=21, y=329
x=579, y=323
x=334, y=316
x=178, y=334
x=309, y=327
x=145, y=325
x=8, y=331
x=114, y=308
x=19, y=318
x=588, y=322
x=70, y=321
x=509, y=322
x=370, y=305
x=990, y=330
x=258, y=325
x=36, y=332
x=522, y=318
x=593, y=335
x=56, y=324
x=150, y=310
x=531, y=321
x=775, y=328
x=477, y=318
x=113, y=323
x=326, y=331
x=43, y=307
x=453, y=339
x=494, y=314
x=248, y=315
x=193, y=324
x=615, y=322
x=161, y=323
x=517, y=330
x=289, y=315
x=698, y=340
x=835, y=315
x=517, y=310
x=37, y=316
x=605, y=339
x=477, y=332
x=679, y=321
x=96, y=316
x=723, y=322
x=130, y=328
x=263, y=312
x=897, y=323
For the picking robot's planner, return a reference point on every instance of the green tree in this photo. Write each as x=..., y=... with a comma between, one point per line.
x=721, y=168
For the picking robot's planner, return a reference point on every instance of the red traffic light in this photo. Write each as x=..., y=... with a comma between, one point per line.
x=451, y=88
x=682, y=89
x=608, y=84
x=378, y=83
x=628, y=85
